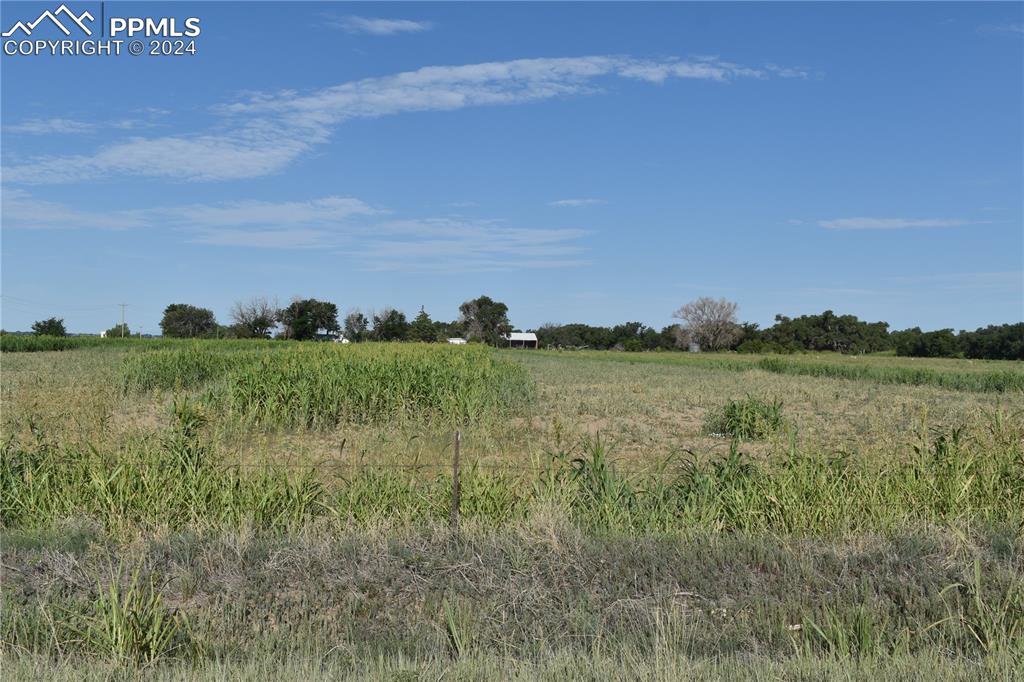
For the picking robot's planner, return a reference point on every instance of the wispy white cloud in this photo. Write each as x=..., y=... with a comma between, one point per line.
x=1005, y=280
x=245, y=153
x=791, y=72
x=576, y=202
x=50, y=126
x=1009, y=28
x=447, y=245
x=367, y=235
x=892, y=223
x=377, y=26
x=20, y=210
x=263, y=133
x=293, y=238
x=144, y=118
x=325, y=211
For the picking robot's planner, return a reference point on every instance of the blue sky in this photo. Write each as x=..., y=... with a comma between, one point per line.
x=593, y=163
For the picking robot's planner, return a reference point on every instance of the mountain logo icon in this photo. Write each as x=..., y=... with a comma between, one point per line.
x=68, y=15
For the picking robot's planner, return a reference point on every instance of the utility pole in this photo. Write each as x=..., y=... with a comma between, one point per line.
x=122, y=318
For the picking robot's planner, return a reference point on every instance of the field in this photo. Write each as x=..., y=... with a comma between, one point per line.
x=246, y=510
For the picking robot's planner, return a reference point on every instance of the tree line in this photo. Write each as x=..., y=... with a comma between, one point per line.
x=711, y=324
x=480, y=319
x=704, y=324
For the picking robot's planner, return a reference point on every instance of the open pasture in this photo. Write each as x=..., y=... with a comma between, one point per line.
x=260, y=508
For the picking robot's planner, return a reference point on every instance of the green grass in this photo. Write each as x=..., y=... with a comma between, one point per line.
x=266, y=510
x=25, y=343
x=749, y=418
x=955, y=375
x=18, y=343
x=322, y=385
x=176, y=482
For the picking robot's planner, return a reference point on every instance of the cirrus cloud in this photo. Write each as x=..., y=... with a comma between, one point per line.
x=378, y=26
x=263, y=133
x=862, y=223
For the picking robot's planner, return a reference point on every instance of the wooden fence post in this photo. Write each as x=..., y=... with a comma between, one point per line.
x=455, y=483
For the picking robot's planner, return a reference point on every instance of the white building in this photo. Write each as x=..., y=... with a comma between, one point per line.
x=457, y=341
x=522, y=340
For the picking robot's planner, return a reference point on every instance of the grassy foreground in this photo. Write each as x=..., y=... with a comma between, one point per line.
x=641, y=519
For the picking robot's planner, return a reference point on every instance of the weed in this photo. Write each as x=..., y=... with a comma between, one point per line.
x=750, y=418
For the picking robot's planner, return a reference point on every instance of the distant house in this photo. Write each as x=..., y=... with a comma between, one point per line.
x=103, y=335
x=521, y=340
x=457, y=341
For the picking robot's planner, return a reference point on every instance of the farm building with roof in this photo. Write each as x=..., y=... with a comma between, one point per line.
x=521, y=340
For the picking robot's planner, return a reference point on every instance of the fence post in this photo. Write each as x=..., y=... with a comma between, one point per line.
x=455, y=483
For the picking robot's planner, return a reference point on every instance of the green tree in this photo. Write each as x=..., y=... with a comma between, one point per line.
x=423, y=328
x=304, y=318
x=828, y=331
x=115, y=331
x=182, y=320
x=390, y=325
x=356, y=325
x=485, y=319
x=995, y=342
x=50, y=327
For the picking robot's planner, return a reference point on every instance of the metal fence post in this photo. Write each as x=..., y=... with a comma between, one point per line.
x=455, y=483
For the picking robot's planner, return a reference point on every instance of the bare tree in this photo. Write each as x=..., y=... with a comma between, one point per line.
x=254, y=318
x=709, y=322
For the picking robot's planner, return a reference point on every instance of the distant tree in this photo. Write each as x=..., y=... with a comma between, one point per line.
x=485, y=319
x=995, y=342
x=630, y=336
x=709, y=322
x=118, y=330
x=356, y=325
x=423, y=329
x=390, y=325
x=453, y=329
x=50, y=327
x=828, y=332
x=182, y=320
x=668, y=337
x=304, y=318
x=230, y=331
x=254, y=319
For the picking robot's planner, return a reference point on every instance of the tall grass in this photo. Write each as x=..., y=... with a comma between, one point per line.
x=23, y=343
x=131, y=624
x=749, y=418
x=27, y=343
x=322, y=385
x=178, y=483
x=986, y=382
